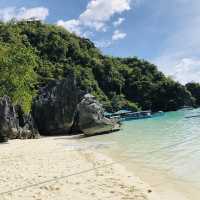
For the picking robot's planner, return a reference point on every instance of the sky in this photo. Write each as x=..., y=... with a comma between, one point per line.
x=166, y=33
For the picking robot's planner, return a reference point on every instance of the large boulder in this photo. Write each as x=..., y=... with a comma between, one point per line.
x=10, y=128
x=55, y=108
x=91, y=118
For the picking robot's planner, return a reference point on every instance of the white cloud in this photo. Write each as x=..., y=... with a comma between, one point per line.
x=103, y=43
x=71, y=25
x=118, y=35
x=96, y=16
x=183, y=69
x=118, y=22
x=187, y=70
x=39, y=13
x=7, y=14
x=98, y=12
x=180, y=55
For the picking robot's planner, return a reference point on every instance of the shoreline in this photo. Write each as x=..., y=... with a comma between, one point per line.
x=165, y=186
x=47, y=168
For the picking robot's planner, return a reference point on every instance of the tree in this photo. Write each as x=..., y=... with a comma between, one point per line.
x=194, y=88
x=17, y=75
x=33, y=53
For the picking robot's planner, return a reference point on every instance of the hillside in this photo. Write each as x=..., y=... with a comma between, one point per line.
x=33, y=53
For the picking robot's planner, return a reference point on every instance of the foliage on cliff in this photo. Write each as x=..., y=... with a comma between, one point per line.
x=194, y=88
x=17, y=75
x=33, y=53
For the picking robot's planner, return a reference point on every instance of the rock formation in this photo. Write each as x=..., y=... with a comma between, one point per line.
x=91, y=118
x=55, y=107
x=62, y=107
x=10, y=126
x=8, y=119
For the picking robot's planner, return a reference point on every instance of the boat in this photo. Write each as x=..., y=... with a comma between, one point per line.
x=136, y=115
x=108, y=114
x=126, y=115
x=122, y=112
x=117, y=114
x=112, y=116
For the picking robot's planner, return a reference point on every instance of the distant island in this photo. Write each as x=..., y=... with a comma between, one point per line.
x=37, y=57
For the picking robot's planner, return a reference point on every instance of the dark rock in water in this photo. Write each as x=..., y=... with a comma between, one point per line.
x=55, y=108
x=10, y=128
x=91, y=118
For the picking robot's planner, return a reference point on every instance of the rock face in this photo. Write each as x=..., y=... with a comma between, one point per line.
x=91, y=118
x=10, y=126
x=55, y=108
x=27, y=126
x=62, y=108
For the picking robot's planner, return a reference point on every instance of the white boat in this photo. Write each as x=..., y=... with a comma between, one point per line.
x=136, y=115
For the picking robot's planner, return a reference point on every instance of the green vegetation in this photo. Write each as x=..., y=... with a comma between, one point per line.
x=32, y=53
x=17, y=75
x=194, y=88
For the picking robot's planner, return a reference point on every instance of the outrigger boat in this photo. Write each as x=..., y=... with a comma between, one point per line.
x=136, y=115
x=125, y=115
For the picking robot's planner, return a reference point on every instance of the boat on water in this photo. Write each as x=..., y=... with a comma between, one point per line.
x=126, y=115
x=136, y=115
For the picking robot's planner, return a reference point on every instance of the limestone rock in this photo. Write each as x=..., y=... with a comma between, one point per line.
x=55, y=107
x=61, y=108
x=91, y=118
x=10, y=128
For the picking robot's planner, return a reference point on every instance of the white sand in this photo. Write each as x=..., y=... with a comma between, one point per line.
x=25, y=163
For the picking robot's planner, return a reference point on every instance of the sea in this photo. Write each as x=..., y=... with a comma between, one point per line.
x=163, y=151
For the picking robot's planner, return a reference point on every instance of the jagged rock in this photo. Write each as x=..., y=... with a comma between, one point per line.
x=91, y=118
x=55, y=108
x=8, y=119
x=27, y=127
x=62, y=107
x=4, y=131
x=10, y=128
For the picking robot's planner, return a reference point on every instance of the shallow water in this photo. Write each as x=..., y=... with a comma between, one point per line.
x=164, y=151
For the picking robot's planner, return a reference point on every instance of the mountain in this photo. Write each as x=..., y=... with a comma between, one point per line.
x=33, y=53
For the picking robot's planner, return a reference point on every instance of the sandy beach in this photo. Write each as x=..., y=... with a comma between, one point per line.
x=52, y=169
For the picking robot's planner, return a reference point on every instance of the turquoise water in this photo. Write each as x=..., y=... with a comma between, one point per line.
x=167, y=146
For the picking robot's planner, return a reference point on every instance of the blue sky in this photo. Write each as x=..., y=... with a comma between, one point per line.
x=163, y=32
